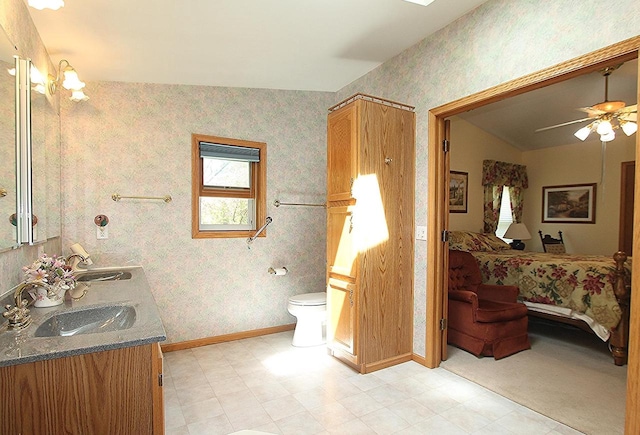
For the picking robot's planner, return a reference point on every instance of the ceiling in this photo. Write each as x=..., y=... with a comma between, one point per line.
x=313, y=45
x=516, y=119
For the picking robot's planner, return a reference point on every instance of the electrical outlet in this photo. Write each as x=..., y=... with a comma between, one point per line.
x=102, y=233
x=421, y=232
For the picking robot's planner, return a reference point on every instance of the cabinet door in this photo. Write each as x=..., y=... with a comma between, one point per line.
x=342, y=151
x=341, y=315
x=342, y=255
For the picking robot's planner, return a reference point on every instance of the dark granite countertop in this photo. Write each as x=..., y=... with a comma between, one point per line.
x=18, y=347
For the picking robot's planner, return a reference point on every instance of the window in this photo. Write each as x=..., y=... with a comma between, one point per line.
x=228, y=186
x=506, y=218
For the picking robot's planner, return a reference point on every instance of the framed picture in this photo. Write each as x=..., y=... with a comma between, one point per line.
x=458, y=191
x=575, y=203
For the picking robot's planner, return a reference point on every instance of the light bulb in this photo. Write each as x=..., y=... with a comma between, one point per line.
x=629, y=127
x=608, y=137
x=604, y=127
x=583, y=133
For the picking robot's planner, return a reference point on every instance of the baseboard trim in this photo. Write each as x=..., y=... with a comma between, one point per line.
x=383, y=364
x=190, y=344
x=420, y=360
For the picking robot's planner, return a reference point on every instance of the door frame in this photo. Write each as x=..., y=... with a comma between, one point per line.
x=437, y=213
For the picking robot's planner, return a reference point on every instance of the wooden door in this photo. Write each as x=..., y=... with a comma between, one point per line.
x=384, y=230
x=341, y=316
x=342, y=151
x=626, y=207
x=342, y=266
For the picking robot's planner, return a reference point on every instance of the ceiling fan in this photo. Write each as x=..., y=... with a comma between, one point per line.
x=606, y=116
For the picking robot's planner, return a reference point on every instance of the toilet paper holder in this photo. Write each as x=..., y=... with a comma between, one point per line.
x=278, y=271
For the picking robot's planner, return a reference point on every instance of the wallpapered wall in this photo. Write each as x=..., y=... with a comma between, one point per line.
x=499, y=41
x=135, y=140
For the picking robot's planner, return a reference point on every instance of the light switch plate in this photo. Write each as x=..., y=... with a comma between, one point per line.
x=421, y=232
x=102, y=233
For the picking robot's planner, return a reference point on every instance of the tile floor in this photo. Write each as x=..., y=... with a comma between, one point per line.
x=267, y=385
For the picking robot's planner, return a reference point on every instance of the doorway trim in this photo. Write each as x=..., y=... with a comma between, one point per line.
x=438, y=219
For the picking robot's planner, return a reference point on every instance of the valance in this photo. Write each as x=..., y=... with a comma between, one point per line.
x=496, y=173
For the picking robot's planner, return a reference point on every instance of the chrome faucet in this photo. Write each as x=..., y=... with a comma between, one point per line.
x=18, y=316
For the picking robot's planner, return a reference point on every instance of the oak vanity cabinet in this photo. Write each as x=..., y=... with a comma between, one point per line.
x=370, y=215
x=115, y=391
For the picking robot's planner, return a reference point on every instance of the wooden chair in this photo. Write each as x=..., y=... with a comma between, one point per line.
x=551, y=245
x=483, y=319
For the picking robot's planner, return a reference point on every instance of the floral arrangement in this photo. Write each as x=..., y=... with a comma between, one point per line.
x=51, y=270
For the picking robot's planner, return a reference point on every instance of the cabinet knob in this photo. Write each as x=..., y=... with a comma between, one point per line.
x=388, y=160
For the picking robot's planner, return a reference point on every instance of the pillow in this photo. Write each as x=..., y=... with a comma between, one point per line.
x=494, y=242
x=467, y=241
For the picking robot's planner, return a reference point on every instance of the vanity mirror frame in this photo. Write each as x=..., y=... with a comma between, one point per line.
x=33, y=156
x=24, y=183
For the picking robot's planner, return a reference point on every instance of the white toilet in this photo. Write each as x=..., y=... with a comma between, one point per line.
x=311, y=311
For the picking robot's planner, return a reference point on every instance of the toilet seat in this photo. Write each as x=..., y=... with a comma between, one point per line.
x=309, y=299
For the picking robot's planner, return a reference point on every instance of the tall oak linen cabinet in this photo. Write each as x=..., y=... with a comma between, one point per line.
x=370, y=232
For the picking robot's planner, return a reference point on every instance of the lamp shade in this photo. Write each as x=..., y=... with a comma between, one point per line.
x=517, y=231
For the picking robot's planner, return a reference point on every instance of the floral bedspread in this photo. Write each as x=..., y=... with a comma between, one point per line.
x=583, y=283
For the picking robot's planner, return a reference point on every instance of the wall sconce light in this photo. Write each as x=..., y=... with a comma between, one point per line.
x=46, y=4
x=67, y=77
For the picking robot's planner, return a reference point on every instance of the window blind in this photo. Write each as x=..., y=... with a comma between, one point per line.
x=228, y=152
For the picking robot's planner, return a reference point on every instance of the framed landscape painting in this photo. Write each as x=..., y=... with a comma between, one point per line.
x=458, y=191
x=575, y=203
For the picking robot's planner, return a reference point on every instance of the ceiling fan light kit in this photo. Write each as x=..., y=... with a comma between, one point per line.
x=606, y=116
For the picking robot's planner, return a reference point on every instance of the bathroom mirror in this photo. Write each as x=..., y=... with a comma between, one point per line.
x=39, y=159
x=8, y=232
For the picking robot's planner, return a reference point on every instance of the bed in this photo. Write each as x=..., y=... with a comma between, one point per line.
x=588, y=291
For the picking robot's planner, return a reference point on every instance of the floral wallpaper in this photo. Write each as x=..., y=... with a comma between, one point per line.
x=135, y=139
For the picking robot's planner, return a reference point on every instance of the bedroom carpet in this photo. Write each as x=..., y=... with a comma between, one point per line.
x=567, y=375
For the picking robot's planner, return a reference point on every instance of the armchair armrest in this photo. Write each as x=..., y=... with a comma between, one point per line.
x=500, y=293
x=464, y=296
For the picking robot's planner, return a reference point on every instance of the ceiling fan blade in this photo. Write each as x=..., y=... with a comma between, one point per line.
x=629, y=116
x=591, y=111
x=629, y=109
x=563, y=124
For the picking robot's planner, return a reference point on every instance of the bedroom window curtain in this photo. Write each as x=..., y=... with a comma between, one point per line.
x=496, y=175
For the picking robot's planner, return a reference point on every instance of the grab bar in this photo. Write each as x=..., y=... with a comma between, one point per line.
x=117, y=197
x=277, y=203
x=251, y=239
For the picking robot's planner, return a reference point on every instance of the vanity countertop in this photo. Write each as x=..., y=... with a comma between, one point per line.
x=18, y=347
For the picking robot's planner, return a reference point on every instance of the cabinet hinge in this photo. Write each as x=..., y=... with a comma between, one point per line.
x=445, y=236
x=443, y=324
x=160, y=380
x=445, y=145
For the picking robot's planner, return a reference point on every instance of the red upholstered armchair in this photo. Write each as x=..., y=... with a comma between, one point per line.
x=483, y=319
